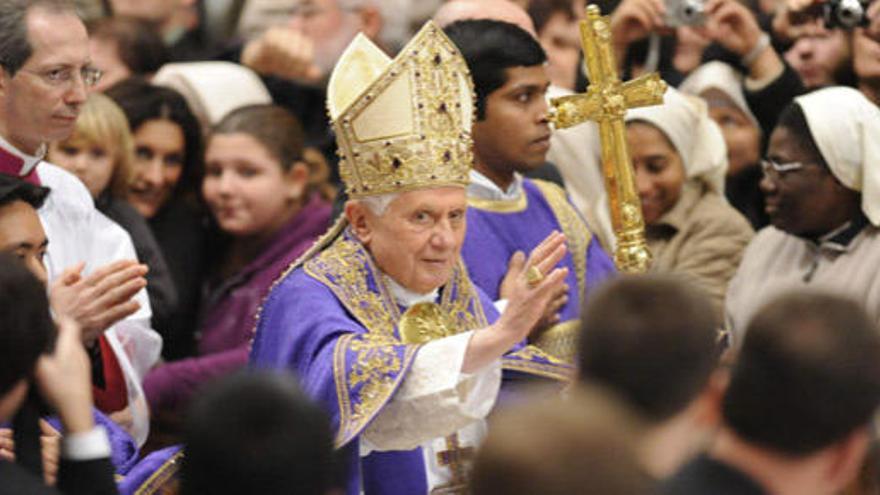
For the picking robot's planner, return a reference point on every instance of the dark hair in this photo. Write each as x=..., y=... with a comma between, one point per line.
x=142, y=101
x=587, y=443
x=256, y=432
x=15, y=48
x=140, y=48
x=808, y=374
x=273, y=126
x=651, y=339
x=26, y=328
x=15, y=189
x=794, y=119
x=490, y=47
x=542, y=10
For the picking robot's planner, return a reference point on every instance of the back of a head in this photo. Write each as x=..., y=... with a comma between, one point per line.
x=652, y=340
x=26, y=328
x=807, y=375
x=490, y=47
x=585, y=444
x=139, y=47
x=256, y=432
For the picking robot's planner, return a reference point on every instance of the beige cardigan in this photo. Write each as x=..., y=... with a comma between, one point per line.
x=701, y=238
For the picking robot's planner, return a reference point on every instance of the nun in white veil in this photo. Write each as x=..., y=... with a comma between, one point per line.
x=822, y=183
x=722, y=87
x=680, y=160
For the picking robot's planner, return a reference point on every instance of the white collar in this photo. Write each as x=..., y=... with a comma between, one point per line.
x=30, y=161
x=482, y=187
x=406, y=297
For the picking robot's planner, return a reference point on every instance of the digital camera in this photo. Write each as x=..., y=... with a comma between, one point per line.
x=845, y=14
x=685, y=13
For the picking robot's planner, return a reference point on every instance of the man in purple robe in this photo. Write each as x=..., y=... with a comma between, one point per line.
x=509, y=214
x=380, y=319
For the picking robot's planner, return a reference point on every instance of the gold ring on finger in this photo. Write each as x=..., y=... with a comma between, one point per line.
x=534, y=276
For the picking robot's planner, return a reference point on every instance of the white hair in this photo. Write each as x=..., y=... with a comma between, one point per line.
x=378, y=204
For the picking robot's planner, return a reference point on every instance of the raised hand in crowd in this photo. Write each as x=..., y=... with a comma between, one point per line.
x=734, y=26
x=97, y=301
x=283, y=52
x=635, y=20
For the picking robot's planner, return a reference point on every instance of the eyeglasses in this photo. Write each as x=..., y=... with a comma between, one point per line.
x=64, y=76
x=774, y=169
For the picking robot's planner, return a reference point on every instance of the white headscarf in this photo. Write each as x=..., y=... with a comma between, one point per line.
x=846, y=127
x=724, y=78
x=684, y=119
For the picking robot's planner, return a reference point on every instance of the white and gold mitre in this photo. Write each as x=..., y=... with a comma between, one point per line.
x=405, y=123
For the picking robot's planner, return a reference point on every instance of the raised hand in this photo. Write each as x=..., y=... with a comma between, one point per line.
x=64, y=380
x=635, y=20
x=528, y=297
x=99, y=300
x=283, y=52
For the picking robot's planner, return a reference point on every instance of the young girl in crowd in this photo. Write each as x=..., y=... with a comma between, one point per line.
x=167, y=161
x=262, y=194
x=100, y=153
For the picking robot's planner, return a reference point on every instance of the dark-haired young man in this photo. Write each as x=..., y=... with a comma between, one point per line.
x=796, y=413
x=62, y=379
x=509, y=215
x=22, y=236
x=652, y=341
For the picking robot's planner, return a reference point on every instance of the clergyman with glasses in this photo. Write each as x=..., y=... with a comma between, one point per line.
x=822, y=190
x=94, y=275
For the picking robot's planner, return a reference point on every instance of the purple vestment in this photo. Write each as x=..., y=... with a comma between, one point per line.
x=155, y=473
x=228, y=320
x=496, y=230
x=333, y=322
x=124, y=451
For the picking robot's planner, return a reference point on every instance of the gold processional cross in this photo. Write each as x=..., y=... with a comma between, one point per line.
x=606, y=102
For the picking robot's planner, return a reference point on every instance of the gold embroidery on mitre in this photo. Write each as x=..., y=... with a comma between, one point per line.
x=406, y=123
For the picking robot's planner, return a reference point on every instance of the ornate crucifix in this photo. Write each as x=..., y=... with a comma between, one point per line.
x=606, y=102
x=457, y=459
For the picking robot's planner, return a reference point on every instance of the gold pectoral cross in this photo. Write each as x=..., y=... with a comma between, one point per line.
x=457, y=459
x=606, y=102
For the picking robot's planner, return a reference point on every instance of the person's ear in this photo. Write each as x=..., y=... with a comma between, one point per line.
x=711, y=398
x=5, y=78
x=361, y=220
x=296, y=179
x=371, y=21
x=845, y=458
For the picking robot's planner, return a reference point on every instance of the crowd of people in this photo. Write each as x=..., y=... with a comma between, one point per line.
x=337, y=247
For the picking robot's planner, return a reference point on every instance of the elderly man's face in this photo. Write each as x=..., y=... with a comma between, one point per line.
x=418, y=239
x=328, y=25
x=42, y=100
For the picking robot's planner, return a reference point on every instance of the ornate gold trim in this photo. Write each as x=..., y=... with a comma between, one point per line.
x=577, y=235
x=157, y=480
x=499, y=206
x=528, y=359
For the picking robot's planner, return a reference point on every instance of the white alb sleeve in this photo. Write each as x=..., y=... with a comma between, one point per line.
x=435, y=398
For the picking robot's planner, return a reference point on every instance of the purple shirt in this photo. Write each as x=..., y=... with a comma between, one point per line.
x=230, y=315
